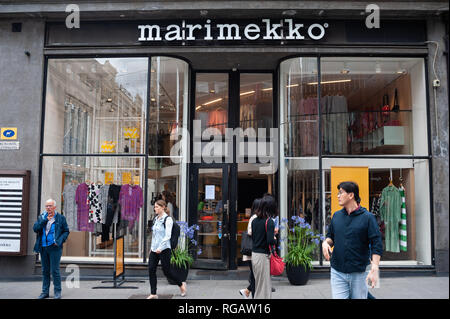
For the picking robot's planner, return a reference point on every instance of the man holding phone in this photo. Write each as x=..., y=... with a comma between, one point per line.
x=354, y=235
x=51, y=232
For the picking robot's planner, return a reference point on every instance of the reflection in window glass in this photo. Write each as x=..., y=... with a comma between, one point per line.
x=371, y=105
x=298, y=96
x=168, y=99
x=95, y=106
x=95, y=197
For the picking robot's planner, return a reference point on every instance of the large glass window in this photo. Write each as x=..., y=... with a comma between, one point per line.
x=299, y=122
x=96, y=143
x=95, y=106
x=167, y=141
x=373, y=106
x=102, y=194
x=371, y=109
x=399, y=197
x=299, y=148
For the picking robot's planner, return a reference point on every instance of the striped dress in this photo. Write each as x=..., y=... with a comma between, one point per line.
x=403, y=237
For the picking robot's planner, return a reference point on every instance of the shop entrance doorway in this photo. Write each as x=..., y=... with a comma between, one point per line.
x=228, y=172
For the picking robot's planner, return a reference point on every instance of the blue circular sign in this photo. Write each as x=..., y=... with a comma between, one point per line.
x=8, y=133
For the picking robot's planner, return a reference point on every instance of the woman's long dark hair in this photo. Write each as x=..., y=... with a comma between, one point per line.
x=268, y=208
x=256, y=206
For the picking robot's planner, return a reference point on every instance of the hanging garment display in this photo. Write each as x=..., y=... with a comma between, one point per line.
x=130, y=200
x=218, y=119
x=103, y=199
x=247, y=116
x=81, y=198
x=70, y=205
x=390, y=211
x=95, y=207
x=335, y=124
x=305, y=124
x=403, y=229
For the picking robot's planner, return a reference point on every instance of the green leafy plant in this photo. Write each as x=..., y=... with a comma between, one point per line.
x=181, y=256
x=301, y=243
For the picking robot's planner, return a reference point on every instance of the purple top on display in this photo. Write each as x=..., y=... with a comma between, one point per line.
x=81, y=197
x=131, y=200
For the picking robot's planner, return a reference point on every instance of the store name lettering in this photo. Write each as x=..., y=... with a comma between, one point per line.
x=285, y=29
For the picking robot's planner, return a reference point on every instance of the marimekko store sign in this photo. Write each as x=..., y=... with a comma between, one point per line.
x=266, y=29
x=245, y=32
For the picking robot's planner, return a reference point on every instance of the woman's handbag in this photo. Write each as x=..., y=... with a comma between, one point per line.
x=276, y=262
x=246, y=244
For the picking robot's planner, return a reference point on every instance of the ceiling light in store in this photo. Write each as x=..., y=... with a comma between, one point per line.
x=212, y=91
x=213, y=101
x=247, y=93
x=198, y=107
x=268, y=89
x=330, y=82
x=291, y=85
x=153, y=99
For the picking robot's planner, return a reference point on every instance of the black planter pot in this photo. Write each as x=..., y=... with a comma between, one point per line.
x=179, y=273
x=297, y=275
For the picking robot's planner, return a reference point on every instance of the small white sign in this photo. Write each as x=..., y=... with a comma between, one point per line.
x=9, y=145
x=11, y=183
x=210, y=192
x=10, y=245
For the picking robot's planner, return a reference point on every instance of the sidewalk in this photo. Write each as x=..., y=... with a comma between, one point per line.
x=401, y=287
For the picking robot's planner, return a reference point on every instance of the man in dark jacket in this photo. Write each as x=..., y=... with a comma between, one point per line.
x=51, y=232
x=354, y=235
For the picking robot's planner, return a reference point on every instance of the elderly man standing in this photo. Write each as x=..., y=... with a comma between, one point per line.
x=51, y=232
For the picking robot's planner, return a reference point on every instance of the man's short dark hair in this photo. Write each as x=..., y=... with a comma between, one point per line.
x=350, y=187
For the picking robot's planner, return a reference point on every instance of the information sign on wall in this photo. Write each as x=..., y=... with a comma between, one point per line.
x=14, y=200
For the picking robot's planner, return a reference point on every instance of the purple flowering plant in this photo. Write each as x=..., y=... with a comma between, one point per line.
x=181, y=256
x=301, y=242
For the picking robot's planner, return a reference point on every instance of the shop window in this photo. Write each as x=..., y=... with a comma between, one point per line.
x=299, y=107
x=102, y=194
x=95, y=105
x=303, y=196
x=256, y=101
x=400, y=200
x=373, y=106
x=168, y=101
x=164, y=182
x=211, y=102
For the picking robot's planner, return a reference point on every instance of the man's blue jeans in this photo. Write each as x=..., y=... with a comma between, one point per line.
x=348, y=286
x=50, y=259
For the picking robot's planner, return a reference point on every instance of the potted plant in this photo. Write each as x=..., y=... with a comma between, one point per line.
x=181, y=258
x=301, y=243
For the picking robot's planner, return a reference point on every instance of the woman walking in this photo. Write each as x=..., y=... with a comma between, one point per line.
x=263, y=235
x=251, y=288
x=160, y=249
